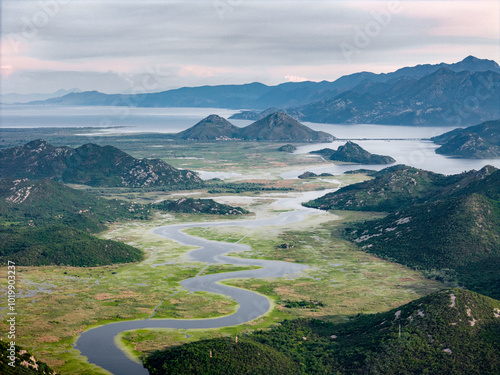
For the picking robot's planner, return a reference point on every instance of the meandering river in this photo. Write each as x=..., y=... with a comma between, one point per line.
x=98, y=344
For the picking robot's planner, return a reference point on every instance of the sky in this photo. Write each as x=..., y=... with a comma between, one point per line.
x=118, y=46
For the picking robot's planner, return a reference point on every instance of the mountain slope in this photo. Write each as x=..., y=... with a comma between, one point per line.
x=435, y=99
x=45, y=222
x=25, y=362
x=279, y=127
x=210, y=128
x=448, y=332
x=38, y=203
x=479, y=141
x=90, y=164
x=455, y=236
x=401, y=186
x=62, y=245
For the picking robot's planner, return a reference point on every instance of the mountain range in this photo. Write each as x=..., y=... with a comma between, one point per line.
x=91, y=165
x=462, y=93
x=11, y=98
x=480, y=141
x=276, y=127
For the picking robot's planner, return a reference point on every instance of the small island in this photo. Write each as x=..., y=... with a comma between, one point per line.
x=353, y=153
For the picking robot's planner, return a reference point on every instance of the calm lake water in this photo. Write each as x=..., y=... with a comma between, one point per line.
x=405, y=144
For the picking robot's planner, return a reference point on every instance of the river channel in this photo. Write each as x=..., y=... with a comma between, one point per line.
x=98, y=344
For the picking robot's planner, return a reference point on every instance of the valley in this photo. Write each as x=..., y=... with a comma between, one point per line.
x=341, y=281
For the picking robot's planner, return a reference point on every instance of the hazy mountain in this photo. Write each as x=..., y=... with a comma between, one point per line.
x=397, y=97
x=279, y=127
x=353, y=153
x=452, y=331
x=440, y=98
x=254, y=115
x=481, y=141
x=90, y=164
x=25, y=98
x=210, y=128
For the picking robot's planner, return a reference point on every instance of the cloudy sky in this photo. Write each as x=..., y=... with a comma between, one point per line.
x=123, y=45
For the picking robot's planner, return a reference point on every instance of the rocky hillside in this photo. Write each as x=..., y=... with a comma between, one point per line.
x=353, y=153
x=211, y=128
x=25, y=362
x=479, y=142
x=455, y=239
x=90, y=164
x=449, y=332
x=37, y=203
x=280, y=127
x=400, y=186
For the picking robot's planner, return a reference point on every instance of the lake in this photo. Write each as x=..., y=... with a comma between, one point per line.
x=408, y=145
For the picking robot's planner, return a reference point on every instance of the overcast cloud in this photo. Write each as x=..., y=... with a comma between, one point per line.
x=113, y=46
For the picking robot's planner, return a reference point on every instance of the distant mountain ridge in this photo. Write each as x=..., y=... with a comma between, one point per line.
x=90, y=164
x=409, y=96
x=276, y=127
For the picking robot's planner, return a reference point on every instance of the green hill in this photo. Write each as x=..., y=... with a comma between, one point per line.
x=353, y=153
x=204, y=206
x=401, y=186
x=62, y=245
x=211, y=128
x=24, y=202
x=480, y=141
x=90, y=164
x=245, y=357
x=449, y=332
x=452, y=238
x=25, y=362
x=45, y=222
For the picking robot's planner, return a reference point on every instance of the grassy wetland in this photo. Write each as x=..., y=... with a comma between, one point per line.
x=57, y=303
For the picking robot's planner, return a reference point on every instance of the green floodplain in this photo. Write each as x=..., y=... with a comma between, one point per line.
x=56, y=303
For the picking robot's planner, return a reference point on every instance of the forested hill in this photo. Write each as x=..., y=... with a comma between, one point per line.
x=480, y=141
x=456, y=240
x=449, y=332
x=37, y=203
x=45, y=222
x=400, y=186
x=91, y=165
